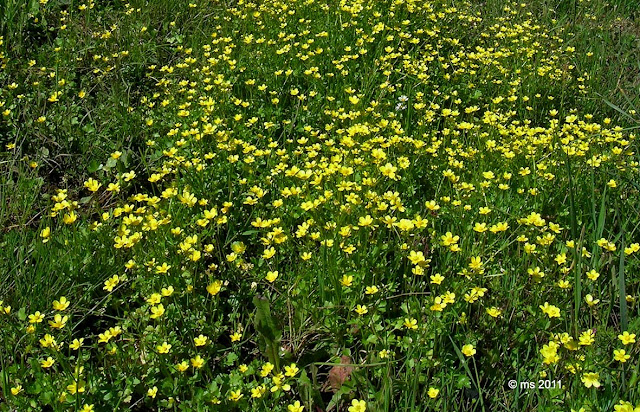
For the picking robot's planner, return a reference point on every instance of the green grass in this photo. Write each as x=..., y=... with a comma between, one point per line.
x=161, y=96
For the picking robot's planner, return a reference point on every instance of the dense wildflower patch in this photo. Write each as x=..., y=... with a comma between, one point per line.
x=373, y=205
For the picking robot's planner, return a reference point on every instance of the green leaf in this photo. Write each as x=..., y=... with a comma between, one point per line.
x=230, y=359
x=22, y=314
x=93, y=166
x=125, y=158
x=264, y=322
x=463, y=382
x=266, y=326
x=88, y=128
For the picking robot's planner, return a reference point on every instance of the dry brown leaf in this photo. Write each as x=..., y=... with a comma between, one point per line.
x=339, y=374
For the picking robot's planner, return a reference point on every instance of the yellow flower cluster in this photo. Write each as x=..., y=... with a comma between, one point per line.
x=390, y=180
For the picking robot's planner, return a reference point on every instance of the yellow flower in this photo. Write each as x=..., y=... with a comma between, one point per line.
x=36, y=318
x=417, y=258
x=389, y=171
x=433, y=392
x=625, y=407
x=45, y=233
x=157, y=311
x=238, y=247
x=592, y=274
x=163, y=269
x=154, y=299
x=449, y=239
x=550, y=353
x=258, y=391
x=182, y=366
x=266, y=369
x=16, y=390
x=269, y=253
x=58, y=321
x=278, y=381
x=590, y=379
x=365, y=220
x=433, y=206
x=494, y=312
x=371, y=290
x=164, y=348
x=476, y=264
x=152, y=392
x=214, y=288
x=87, y=408
x=272, y=276
x=346, y=281
x=70, y=217
x=626, y=338
x=605, y=244
x=632, y=248
x=591, y=301
x=197, y=362
x=47, y=363
x=111, y=283
x=92, y=185
x=358, y=406
x=295, y=407
x=48, y=341
x=76, y=344
x=128, y=176
x=235, y=395
x=410, y=323
x=468, y=350
x=621, y=355
x=104, y=337
x=61, y=304
x=449, y=297
x=291, y=370
x=405, y=225
x=361, y=310
x=550, y=310
x=499, y=227
x=438, y=304
x=76, y=387
x=587, y=337
x=201, y=340
x=484, y=210
x=480, y=227
x=536, y=273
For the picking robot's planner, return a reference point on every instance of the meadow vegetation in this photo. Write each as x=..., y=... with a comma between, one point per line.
x=390, y=205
